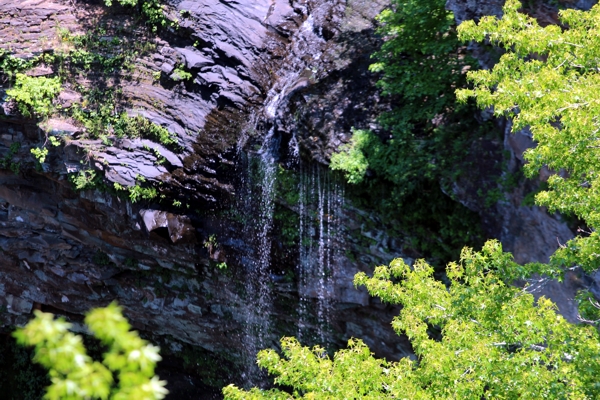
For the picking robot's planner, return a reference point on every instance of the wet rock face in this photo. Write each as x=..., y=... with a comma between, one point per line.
x=340, y=92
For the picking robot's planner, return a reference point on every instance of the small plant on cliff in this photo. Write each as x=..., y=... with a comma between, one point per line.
x=40, y=154
x=126, y=372
x=138, y=126
x=11, y=65
x=86, y=179
x=7, y=160
x=478, y=338
x=350, y=158
x=137, y=192
x=151, y=9
x=211, y=244
x=180, y=74
x=34, y=95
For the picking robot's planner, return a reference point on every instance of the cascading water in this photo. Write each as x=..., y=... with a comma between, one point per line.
x=258, y=292
x=316, y=205
x=319, y=207
x=258, y=302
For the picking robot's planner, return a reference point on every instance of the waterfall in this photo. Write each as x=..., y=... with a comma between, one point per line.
x=258, y=293
x=320, y=205
x=258, y=201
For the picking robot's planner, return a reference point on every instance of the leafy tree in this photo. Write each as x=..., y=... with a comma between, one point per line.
x=478, y=338
x=548, y=80
x=350, y=157
x=421, y=64
x=408, y=171
x=127, y=371
x=420, y=60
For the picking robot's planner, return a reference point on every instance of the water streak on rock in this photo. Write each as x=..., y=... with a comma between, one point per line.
x=319, y=206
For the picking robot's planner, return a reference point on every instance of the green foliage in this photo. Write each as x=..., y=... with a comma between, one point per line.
x=151, y=9
x=93, y=51
x=434, y=224
x=419, y=59
x=11, y=65
x=139, y=126
x=420, y=63
x=287, y=186
x=493, y=341
x=126, y=372
x=548, y=80
x=100, y=114
x=40, y=154
x=87, y=59
x=34, y=95
x=350, y=158
x=589, y=308
x=222, y=265
x=180, y=74
x=86, y=179
x=352, y=374
x=581, y=251
x=54, y=141
x=7, y=160
x=211, y=241
x=102, y=109
x=89, y=179
x=408, y=170
x=137, y=192
x=479, y=337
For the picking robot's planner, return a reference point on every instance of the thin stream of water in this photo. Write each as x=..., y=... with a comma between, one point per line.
x=319, y=206
x=261, y=189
